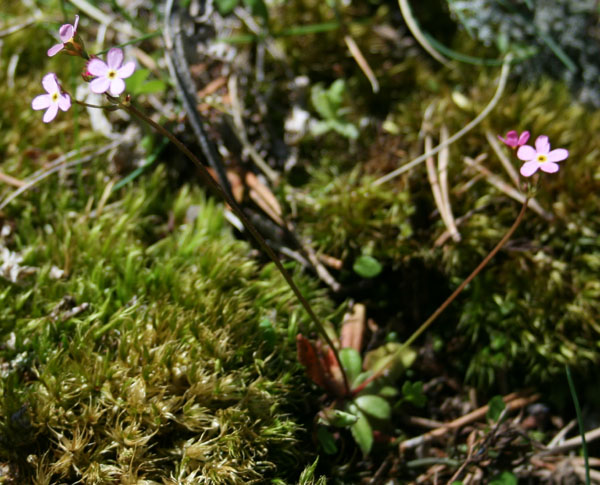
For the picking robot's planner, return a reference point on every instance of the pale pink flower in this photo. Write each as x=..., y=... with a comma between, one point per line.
x=52, y=101
x=514, y=140
x=67, y=33
x=540, y=157
x=110, y=73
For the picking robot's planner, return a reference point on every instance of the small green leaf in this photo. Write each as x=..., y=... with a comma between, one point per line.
x=388, y=391
x=137, y=84
x=352, y=362
x=134, y=81
x=226, y=6
x=391, y=358
x=151, y=87
x=320, y=101
x=258, y=8
x=335, y=93
x=367, y=266
x=495, y=408
x=339, y=419
x=505, y=478
x=413, y=392
x=360, y=378
x=326, y=440
x=374, y=406
x=320, y=127
x=361, y=430
x=345, y=128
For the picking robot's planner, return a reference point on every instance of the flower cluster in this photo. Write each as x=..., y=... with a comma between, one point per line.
x=538, y=158
x=104, y=77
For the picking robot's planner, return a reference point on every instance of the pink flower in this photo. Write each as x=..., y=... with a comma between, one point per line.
x=52, y=101
x=110, y=73
x=514, y=140
x=540, y=157
x=67, y=34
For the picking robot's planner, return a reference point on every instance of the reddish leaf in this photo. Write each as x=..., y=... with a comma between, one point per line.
x=321, y=366
x=307, y=356
x=333, y=374
x=353, y=328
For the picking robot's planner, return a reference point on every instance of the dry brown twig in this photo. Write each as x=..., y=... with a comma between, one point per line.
x=465, y=129
x=513, y=401
x=443, y=160
x=439, y=184
x=362, y=62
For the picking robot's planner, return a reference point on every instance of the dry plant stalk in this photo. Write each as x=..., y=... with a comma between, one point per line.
x=513, y=401
x=438, y=179
x=362, y=62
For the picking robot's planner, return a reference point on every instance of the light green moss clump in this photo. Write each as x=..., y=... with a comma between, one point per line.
x=145, y=360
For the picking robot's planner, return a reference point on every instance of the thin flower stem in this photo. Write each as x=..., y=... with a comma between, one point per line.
x=127, y=106
x=88, y=105
x=469, y=278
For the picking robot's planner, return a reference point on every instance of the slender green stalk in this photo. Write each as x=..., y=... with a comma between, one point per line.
x=127, y=106
x=469, y=278
x=580, y=423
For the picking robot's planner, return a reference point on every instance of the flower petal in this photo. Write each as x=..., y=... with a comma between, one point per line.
x=66, y=32
x=523, y=138
x=50, y=113
x=549, y=167
x=117, y=86
x=526, y=153
x=126, y=70
x=55, y=49
x=75, y=24
x=529, y=168
x=64, y=102
x=558, y=155
x=41, y=102
x=542, y=145
x=96, y=67
x=114, y=58
x=510, y=140
x=50, y=83
x=100, y=85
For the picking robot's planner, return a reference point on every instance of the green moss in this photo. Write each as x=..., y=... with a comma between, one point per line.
x=343, y=214
x=535, y=306
x=163, y=372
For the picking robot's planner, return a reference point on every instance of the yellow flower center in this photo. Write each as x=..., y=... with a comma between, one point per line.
x=54, y=97
x=542, y=158
x=112, y=74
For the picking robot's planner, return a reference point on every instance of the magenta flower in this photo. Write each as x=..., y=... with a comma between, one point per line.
x=514, y=140
x=110, y=73
x=540, y=157
x=67, y=34
x=52, y=101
